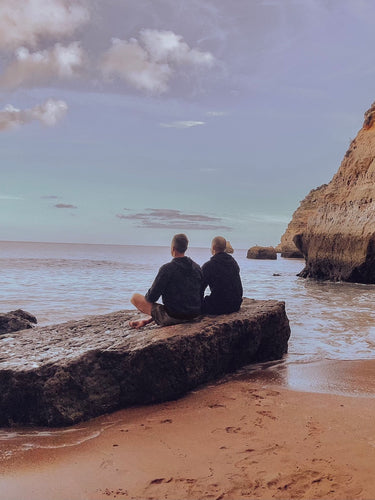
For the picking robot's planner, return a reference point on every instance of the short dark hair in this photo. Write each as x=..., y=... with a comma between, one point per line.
x=180, y=243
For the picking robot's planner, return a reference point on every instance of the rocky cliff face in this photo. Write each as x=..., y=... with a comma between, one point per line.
x=298, y=224
x=63, y=374
x=339, y=239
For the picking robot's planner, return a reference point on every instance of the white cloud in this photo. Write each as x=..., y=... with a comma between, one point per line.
x=166, y=46
x=208, y=169
x=35, y=67
x=26, y=22
x=48, y=113
x=6, y=197
x=131, y=62
x=270, y=218
x=149, y=64
x=182, y=124
x=216, y=113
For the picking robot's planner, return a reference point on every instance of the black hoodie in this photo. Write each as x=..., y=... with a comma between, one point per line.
x=179, y=283
x=222, y=274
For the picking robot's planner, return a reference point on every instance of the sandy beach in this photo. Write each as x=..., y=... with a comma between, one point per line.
x=231, y=440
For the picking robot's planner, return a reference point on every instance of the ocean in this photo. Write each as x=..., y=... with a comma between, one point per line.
x=331, y=348
x=330, y=322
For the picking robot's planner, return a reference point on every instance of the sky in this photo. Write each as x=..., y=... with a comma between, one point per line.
x=127, y=121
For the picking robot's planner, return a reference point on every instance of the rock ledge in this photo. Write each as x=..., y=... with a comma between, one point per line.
x=63, y=374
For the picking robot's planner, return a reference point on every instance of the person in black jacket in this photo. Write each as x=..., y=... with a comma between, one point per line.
x=222, y=275
x=179, y=283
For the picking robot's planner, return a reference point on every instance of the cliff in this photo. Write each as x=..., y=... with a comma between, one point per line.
x=64, y=374
x=298, y=224
x=339, y=240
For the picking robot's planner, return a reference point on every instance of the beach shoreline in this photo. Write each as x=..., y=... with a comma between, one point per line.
x=230, y=440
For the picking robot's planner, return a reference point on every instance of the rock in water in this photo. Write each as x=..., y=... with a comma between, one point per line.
x=308, y=207
x=16, y=320
x=338, y=242
x=63, y=374
x=258, y=252
x=229, y=248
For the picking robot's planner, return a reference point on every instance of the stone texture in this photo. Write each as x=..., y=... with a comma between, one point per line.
x=307, y=208
x=258, y=252
x=16, y=320
x=229, y=248
x=63, y=374
x=338, y=242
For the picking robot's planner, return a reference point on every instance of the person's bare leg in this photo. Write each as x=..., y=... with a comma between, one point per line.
x=142, y=305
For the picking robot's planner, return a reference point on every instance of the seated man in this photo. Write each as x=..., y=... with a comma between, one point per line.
x=179, y=283
x=222, y=274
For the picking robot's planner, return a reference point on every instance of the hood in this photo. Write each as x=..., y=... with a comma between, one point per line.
x=224, y=258
x=183, y=263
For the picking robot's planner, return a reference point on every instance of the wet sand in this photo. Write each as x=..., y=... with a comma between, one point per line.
x=238, y=439
x=341, y=377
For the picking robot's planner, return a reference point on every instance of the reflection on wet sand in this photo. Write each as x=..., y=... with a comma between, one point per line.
x=348, y=378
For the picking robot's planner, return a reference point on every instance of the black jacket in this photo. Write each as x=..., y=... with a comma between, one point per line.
x=179, y=283
x=222, y=274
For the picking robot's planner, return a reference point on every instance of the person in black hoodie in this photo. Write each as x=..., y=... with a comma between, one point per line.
x=222, y=275
x=179, y=283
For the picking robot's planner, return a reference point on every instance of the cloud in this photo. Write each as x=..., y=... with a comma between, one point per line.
x=9, y=197
x=35, y=67
x=150, y=63
x=130, y=62
x=27, y=22
x=155, y=218
x=64, y=205
x=166, y=46
x=208, y=169
x=216, y=113
x=182, y=124
x=49, y=197
x=269, y=218
x=48, y=113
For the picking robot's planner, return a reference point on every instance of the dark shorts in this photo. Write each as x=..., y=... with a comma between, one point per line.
x=162, y=318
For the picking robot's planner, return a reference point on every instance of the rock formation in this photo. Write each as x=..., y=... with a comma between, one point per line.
x=16, y=320
x=339, y=240
x=258, y=252
x=63, y=374
x=297, y=225
x=229, y=248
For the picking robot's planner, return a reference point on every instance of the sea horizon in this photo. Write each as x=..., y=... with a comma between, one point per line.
x=108, y=244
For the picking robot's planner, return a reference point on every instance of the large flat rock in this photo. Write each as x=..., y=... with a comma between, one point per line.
x=63, y=374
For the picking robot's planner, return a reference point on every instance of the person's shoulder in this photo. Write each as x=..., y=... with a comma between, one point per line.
x=166, y=267
x=207, y=264
x=225, y=259
x=230, y=257
x=194, y=264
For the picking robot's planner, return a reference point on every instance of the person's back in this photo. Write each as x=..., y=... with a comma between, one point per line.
x=179, y=283
x=222, y=274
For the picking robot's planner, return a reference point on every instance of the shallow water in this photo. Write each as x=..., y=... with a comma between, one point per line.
x=331, y=348
x=59, y=282
x=17, y=442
